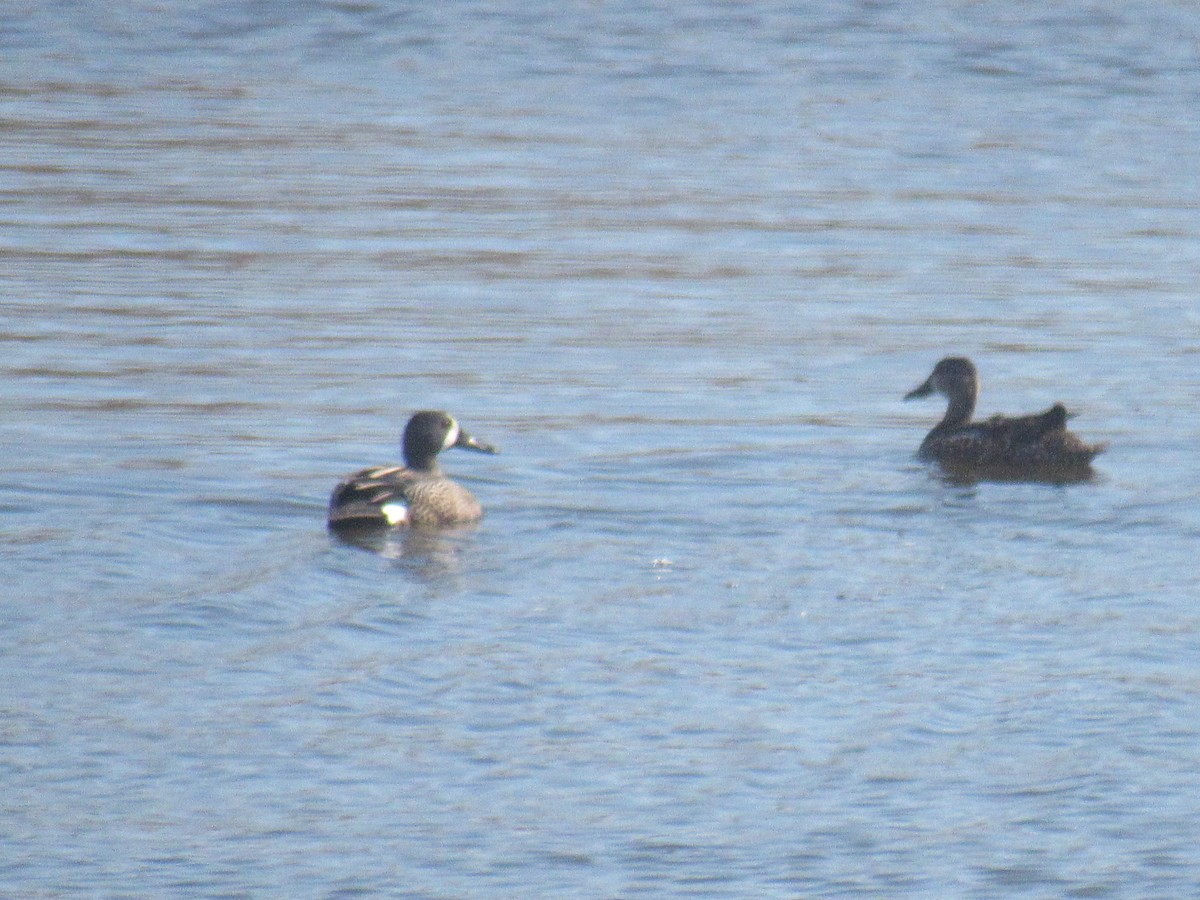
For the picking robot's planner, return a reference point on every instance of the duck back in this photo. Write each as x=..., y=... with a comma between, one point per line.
x=396, y=495
x=1037, y=446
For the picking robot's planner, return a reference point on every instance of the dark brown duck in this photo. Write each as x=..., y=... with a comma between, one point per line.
x=1035, y=448
x=416, y=494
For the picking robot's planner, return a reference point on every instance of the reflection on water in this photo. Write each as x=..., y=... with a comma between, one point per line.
x=430, y=555
x=719, y=631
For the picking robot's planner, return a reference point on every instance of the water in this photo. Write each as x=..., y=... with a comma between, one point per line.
x=719, y=633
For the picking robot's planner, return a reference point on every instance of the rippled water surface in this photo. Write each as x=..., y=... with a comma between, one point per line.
x=719, y=634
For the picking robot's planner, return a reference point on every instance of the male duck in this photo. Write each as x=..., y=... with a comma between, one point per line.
x=415, y=494
x=1033, y=448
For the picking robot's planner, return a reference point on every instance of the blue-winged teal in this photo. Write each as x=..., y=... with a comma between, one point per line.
x=415, y=494
x=1036, y=447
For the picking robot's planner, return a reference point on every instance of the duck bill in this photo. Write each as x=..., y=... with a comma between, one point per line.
x=923, y=391
x=466, y=442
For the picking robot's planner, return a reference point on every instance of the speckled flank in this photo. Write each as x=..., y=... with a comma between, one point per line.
x=439, y=502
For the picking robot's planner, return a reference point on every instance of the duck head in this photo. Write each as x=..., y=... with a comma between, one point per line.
x=955, y=379
x=429, y=432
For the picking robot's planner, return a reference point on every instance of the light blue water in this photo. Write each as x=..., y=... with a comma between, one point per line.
x=719, y=634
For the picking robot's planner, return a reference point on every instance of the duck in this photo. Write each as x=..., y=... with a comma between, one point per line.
x=416, y=494
x=1036, y=447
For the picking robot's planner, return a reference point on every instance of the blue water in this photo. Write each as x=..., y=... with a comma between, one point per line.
x=719, y=633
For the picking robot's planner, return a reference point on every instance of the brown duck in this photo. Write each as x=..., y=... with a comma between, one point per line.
x=416, y=494
x=1030, y=448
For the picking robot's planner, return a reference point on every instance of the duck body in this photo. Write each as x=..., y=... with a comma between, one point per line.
x=1035, y=448
x=416, y=494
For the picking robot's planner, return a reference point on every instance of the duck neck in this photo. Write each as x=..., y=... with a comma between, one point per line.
x=959, y=411
x=424, y=465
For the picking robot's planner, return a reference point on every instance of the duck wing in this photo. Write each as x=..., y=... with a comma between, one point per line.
x=1007, y=434
x=376, y=496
